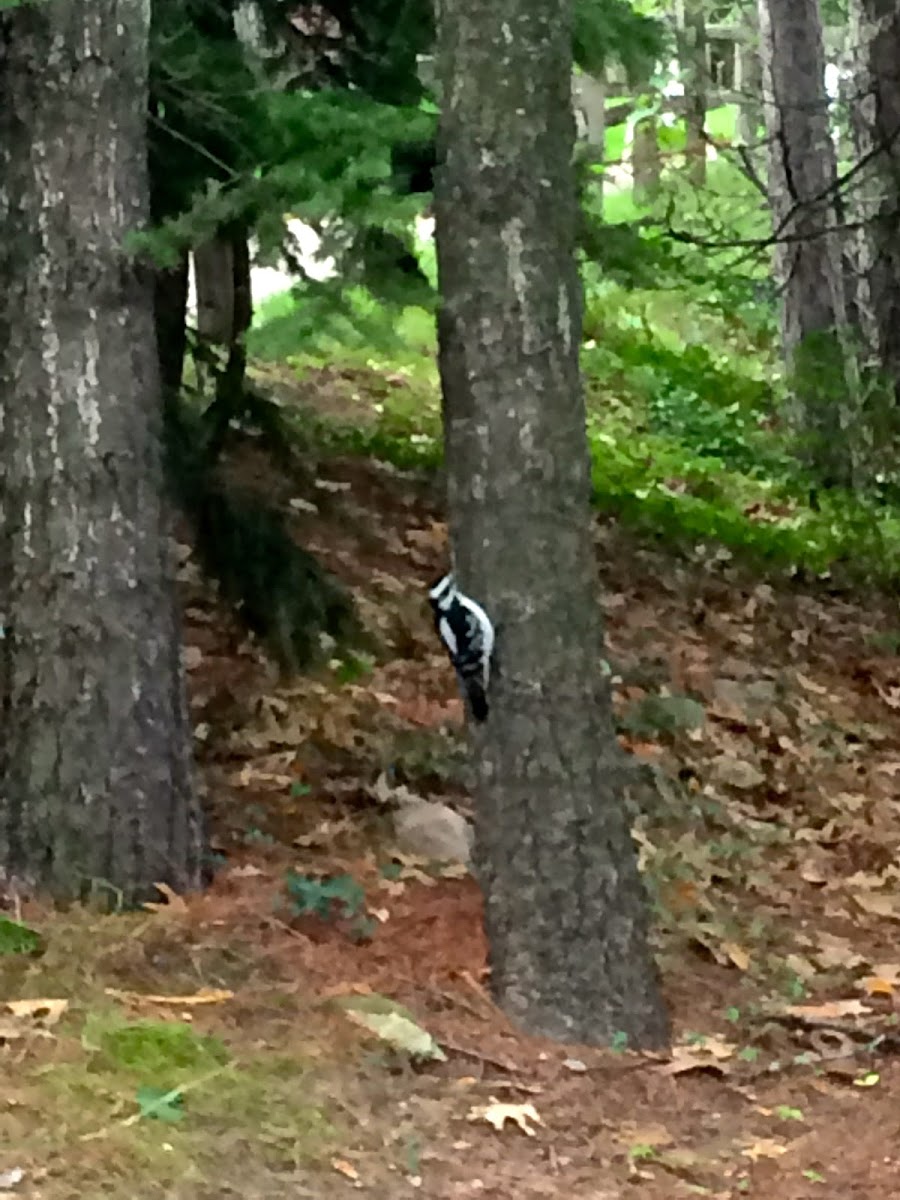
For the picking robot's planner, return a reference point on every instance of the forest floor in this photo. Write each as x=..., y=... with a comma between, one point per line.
x=199, y=1049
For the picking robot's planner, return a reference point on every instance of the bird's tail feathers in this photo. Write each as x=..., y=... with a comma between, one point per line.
x=477, y=698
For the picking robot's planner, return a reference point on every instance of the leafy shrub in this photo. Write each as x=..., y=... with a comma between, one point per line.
x=341, y=895
x=16, y=938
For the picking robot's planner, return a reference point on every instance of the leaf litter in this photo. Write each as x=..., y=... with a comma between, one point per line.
x=768, y=832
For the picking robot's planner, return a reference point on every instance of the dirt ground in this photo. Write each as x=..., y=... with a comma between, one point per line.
x=768, y=835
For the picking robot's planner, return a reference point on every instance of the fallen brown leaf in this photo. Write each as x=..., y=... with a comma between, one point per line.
x=174, y=905
x=42, y=1012
x=737, y=954
x=709, y=1056
x=834, y=1010
x=765, y=1148
x=204, y=996
x=496, y=1113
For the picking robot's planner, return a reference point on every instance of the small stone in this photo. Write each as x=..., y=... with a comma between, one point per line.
x=433, y=831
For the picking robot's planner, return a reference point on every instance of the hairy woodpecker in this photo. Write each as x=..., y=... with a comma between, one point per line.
x=468, y=635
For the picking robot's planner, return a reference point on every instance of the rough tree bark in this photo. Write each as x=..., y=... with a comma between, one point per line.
x=876, y=199
x=808, y=256
x=564, y=906
x=95, y=773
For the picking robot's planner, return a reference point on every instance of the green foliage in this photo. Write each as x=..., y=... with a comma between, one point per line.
x=709, y=231
x=613, y=30
x=641, y=1151
x=683, y=396
x=205, y=111
x=16, y=938
x=685, y=369
x=161, y=1104
x=685, y=235
x=307, y=326
x=375, y=50
x=339, y=896
x=325, y=157
x=684, y=424
x=242, y=540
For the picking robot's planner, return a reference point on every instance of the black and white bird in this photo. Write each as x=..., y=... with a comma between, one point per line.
x=468, y=635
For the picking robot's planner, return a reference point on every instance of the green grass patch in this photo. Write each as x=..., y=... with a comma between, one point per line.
x=162, y=1050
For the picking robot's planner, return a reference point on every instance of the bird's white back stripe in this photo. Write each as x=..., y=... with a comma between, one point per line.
x=448, y=637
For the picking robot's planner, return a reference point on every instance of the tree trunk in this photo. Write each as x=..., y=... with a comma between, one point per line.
x=589, y=95
x=564, y=906
x=646, y=160
x=232, y=379
x=808, y=264
x=95, y=773
x=876, y=127
x=242, y=317
x=748, y=81
x=695, y=74
x=214, y=277
x=170, y=316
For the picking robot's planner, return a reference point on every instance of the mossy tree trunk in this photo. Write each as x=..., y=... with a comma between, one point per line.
x=565, y=909
x=95, y=771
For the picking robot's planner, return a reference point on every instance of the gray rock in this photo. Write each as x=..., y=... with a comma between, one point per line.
x=427, y=829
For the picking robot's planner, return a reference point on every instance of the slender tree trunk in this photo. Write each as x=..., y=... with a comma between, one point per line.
x=646, y=160
x=231, y=381
x=695, y=74
x=565, y=910
x=95, y=773
x=224, y=314
x=170, y=316
x=876, y=127
x=589, y=94
x=214, y=277
x=808, y=259
x=748, y=81
x=242, y=316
